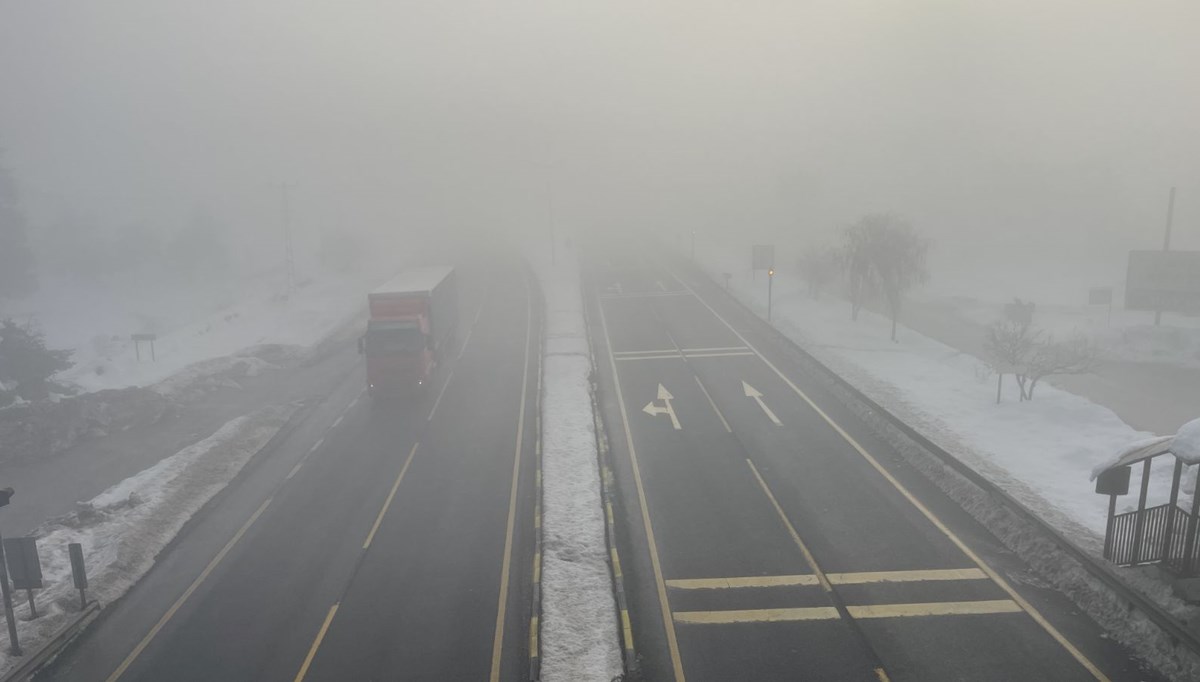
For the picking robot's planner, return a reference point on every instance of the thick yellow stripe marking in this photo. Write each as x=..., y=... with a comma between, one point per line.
x=141, y=646
x=312, y=651
x=949, y=608
x=931, y=575
x=882, y=675
x=808, y=556
x=533, y=636
x=616, y=562
x=626, y=629
x=388, y=502
x=757, y=615
x=537, y=567
x=748, y=581
x=995, y=577
x=652, y=545
x=502, y=607
x=907, y=576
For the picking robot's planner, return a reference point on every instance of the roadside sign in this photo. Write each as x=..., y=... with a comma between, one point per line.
x=78, y=571
x=23, y=565
x=762, y=257
x=1163, y=281
x=1020, y=313
x=1100, y=296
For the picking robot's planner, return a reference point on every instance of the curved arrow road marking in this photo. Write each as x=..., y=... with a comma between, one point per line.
x=654, y=410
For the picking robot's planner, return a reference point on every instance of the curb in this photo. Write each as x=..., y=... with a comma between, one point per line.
x=46, y=653
x=629, y=657
x=535, y=618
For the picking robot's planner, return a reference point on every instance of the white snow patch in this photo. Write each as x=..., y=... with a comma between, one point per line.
x=124, y=528
x=1042, y=451
x=579, y=619
x=1187, y=442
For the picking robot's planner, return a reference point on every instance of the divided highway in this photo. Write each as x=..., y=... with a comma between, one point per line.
x=768, y=535
x=377, y=541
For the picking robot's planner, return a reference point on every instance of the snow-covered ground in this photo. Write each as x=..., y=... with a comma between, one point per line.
x=579, y=620
x=125, y=527
x=1129, y=335
x=1042, y=452
x=191, y=326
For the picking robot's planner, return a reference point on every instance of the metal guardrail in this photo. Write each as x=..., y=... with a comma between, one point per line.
x=1098, y=570
x=33, y=662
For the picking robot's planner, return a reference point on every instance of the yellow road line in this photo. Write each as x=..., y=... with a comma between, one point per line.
x=757, y=615
x=752, y=581
x=498, y=638
x=748, y=581
x=533, y=635
x=141, y=646
x=388, y=502
x=907, y=576
x=949, y=608
x=652, y=545
x=882, y=675
x=626, y=629
x=714, y=405
x=808, y=556
x=438, y=401
x=995, y=577
x=312, y=650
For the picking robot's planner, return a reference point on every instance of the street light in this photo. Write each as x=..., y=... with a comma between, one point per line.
x=770, y=278
x=5, y=495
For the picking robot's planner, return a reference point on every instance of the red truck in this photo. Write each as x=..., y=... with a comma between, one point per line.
x=412, y=321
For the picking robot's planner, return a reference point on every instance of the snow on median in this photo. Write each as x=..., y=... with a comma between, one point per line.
x=579, y=633
x=123, y=529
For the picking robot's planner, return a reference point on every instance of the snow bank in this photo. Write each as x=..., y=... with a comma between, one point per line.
x=97, y=323
x=579, y=619
x=124, y=528
x=1187, y=442
x=1042, y=452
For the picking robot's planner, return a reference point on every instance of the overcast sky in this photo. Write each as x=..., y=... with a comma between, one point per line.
x=999, y=128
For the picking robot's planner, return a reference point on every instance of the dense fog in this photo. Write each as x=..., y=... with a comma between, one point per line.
x=1033, y=142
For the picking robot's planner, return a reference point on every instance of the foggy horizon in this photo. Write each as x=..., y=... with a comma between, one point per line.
x=1026, y=140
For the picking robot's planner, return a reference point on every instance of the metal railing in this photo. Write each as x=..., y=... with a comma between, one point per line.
x=1153, y=535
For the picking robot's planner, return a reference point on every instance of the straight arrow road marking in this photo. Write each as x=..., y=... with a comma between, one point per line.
x=752, y=392
x=654, y=410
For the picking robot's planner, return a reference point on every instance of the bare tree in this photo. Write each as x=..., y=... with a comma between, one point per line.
x=818, y=266
x=1009, y=344
x=899, y=258
x=854, y=257
x=1076, y=355
x=882, y=254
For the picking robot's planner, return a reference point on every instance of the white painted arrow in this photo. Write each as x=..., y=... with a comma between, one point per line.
x=654, y=410
x=752, y=392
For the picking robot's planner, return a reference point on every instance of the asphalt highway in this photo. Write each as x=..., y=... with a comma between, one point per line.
x=766, y=534
x=380, y=540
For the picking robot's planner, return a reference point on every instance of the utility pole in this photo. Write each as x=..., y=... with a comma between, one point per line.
x=289, y=262
x=1166, y=242
x=770, y=280
x=550, y=212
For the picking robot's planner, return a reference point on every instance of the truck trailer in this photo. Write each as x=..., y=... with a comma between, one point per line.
x=411, y=323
